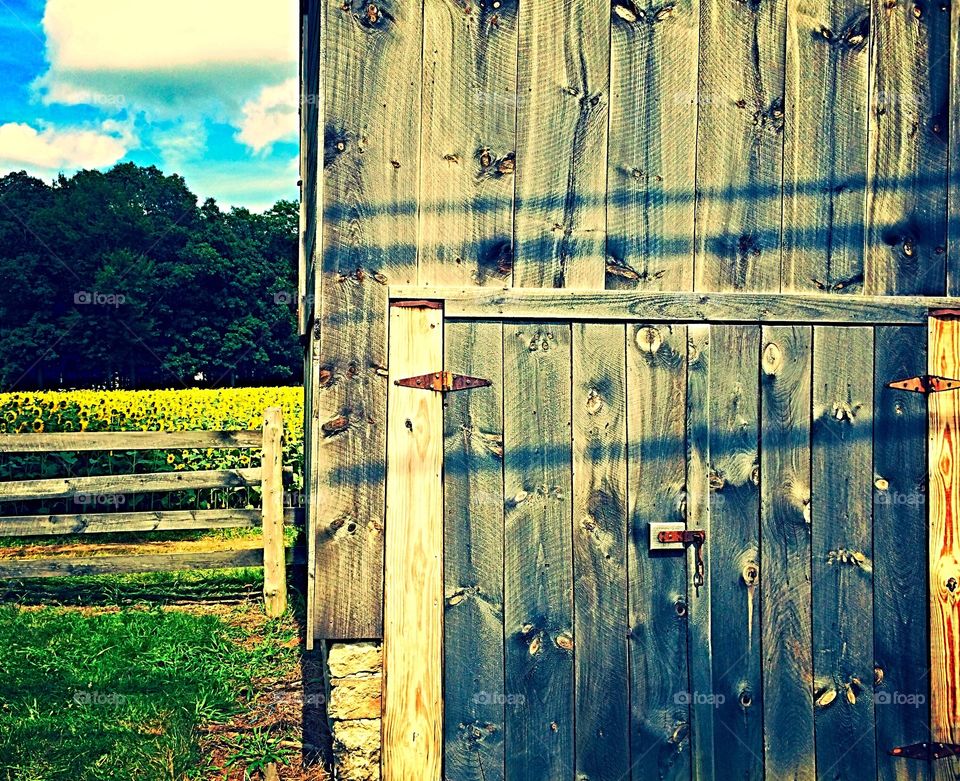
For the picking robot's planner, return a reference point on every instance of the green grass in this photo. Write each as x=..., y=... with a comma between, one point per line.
x=118, y=695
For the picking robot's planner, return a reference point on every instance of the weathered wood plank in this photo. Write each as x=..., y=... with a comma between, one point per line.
x=474, y=695
x=825, y=145
x=83, y=489
x=907, y=175
x=600, y=623
x=901, y=637
x=733, y=540
x=657, y=584
x=538, y=572
x=468, y=152
x=700, y=696
x=953, y=163
x=63, y=566
x=274, y=566
x=653, y=128
x=785, y=553
x=943, y=355
x=842, y=544
x=371, y=67
x=127, y=440
x=783, y=309
x=413, y=585
x=153, y=521
x=740, y=145
x=562, y=118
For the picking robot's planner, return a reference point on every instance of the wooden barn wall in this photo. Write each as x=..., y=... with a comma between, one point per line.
x=769, y=145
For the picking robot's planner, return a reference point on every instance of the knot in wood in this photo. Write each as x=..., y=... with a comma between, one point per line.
x=564, y=641
x=594, y=402
x=750, y=574
x=649, y=339
x=881, y=484
x=772, y=359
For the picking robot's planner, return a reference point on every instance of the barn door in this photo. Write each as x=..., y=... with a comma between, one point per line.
x=571, y=650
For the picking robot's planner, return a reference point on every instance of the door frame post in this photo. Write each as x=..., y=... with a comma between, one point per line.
x=943, y=420
x=412, y=740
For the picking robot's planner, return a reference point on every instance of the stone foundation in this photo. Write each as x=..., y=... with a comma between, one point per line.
x=354, y=709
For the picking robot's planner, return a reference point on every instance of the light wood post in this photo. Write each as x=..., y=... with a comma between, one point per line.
x=274, y=558
x=413, y=575
x=943, y=414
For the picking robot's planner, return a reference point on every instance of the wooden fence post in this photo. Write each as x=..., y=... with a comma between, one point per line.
x=943, y=414
x=274, y=558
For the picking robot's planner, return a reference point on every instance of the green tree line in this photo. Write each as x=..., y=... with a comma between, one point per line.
x=121, y=278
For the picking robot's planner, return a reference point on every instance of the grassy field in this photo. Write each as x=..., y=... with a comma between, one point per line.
x=213, y=691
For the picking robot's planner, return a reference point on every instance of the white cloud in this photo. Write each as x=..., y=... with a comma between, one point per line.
x=163, y=58
x=49, y=151
x=271, y=117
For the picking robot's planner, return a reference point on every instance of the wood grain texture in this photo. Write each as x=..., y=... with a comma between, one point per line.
x=562, y=118
x=825, y=145
x=372, y=69
x=701, y=693
x=953, y=185
x=733, y=480
x=80, y=488
x=474, y=696
x=152, y=521
x=907, y=175
x=538, y=580
x=783, y=309
x=468, y=153
x=601, y=625
x=785, y=589
x=413, y=581
x=841, y=517
x=740, y=145
x=127, y=440
x=944, y=563
x=651, y=172
x=66, y=566
x=901, y=634
x=657, y=583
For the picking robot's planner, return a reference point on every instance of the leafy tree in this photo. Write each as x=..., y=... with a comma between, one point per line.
x=121, y=278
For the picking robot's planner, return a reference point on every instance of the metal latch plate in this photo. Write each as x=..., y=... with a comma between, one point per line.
x=672, y=527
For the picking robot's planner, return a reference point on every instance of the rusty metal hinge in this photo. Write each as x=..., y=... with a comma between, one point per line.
x=443, y=382
x=927, y=751
x=925, y=383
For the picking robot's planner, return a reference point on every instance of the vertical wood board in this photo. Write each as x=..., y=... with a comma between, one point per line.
x=657, y=583
x=562, y=118
x=538, y=554
x=413, y=616
x=785, y=588
x=370, y=172
x=653, y=137
x=601, y=626
x=474, y=696
x=841, y=517
x=468, y=153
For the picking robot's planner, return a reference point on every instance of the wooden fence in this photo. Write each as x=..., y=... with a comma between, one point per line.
x=270, y=554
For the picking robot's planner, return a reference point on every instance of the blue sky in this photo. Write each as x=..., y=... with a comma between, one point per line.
x=204, y=88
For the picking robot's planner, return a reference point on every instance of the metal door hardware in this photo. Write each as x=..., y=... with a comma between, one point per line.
x=928, y=751
x=675, y=536
x=443, y=382
x=925, y=383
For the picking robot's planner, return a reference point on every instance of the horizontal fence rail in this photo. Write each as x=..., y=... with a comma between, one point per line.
x=765, y=308
x=147, y=521
x=128, y=440
x=66, y=487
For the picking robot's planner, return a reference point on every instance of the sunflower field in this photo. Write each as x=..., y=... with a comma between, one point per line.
x=165, y=410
